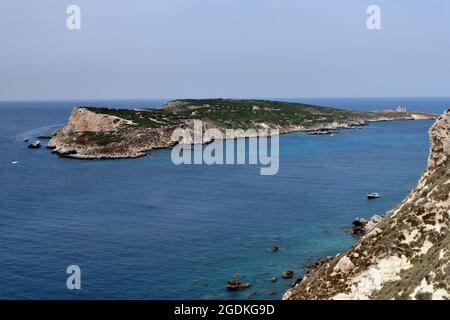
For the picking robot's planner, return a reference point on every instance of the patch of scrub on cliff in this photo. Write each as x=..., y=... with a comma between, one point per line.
x=102, y=138
x=427, y=291
x=429, y=271
x=363, y=285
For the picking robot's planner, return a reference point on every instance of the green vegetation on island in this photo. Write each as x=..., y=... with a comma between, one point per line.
x=232, y=113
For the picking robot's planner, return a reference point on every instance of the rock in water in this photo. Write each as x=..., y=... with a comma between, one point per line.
x=358, y=226
x=288, y=274
x=235, y=285
x=407, y=254
x=35, y=145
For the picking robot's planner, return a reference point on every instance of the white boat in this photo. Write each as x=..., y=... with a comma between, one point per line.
x=373, y=195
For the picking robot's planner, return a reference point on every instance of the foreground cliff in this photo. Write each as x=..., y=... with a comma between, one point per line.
x=97, y=133
x=407, y=254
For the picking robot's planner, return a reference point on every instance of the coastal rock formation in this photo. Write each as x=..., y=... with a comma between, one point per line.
x=361, y=226
x=35, y=145
x=92, y=135
x=407, y=253
x=99, y=133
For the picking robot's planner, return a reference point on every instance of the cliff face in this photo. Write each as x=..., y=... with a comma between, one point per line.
x=407, y=255
x=84, y=120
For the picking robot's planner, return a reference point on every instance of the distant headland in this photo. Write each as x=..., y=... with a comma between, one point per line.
x=102, y=133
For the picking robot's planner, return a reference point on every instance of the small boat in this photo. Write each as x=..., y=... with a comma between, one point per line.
x=373, y=195
x=321, y=132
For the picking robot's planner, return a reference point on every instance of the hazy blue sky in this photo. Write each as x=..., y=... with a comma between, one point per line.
x=223, y=48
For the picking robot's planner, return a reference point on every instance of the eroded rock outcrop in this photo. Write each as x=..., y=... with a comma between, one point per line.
x=93, y=135
x=361, y=226
x=407, y=253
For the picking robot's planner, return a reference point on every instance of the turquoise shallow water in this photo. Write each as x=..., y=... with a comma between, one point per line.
x=145, y=228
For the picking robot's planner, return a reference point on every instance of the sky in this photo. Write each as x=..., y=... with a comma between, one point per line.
x=148, y=49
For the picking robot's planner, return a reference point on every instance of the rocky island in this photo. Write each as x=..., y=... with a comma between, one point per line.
x=405, y=255
x=101, y=133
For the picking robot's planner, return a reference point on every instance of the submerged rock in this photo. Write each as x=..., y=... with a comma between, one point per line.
x=271, y=292
x=45, y=136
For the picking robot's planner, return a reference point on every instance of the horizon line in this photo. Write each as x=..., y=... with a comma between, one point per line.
x=236, y=98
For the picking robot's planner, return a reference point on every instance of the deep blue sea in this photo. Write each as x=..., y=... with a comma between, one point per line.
x=148, y=229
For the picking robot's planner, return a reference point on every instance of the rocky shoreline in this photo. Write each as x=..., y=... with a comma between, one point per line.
x=360, y=227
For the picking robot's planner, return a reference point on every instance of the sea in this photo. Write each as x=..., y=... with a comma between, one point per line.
x=148, y=229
